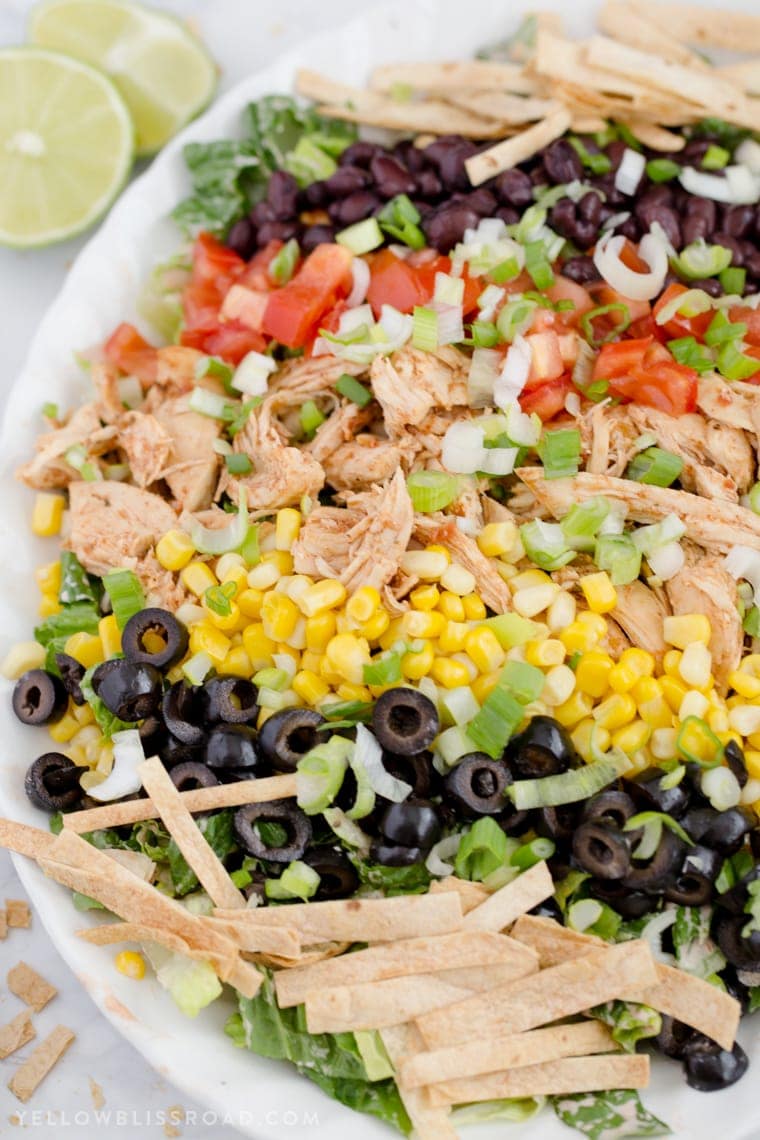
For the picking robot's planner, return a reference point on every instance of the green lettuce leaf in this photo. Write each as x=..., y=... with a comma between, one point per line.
x=76, y=584
x=608, y=1115
x=412, y=880
x=629, y=1022
x=217, y=831
x=515, y=1111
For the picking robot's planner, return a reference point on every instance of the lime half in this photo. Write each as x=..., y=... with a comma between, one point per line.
x=161, y=69
x=66, y=146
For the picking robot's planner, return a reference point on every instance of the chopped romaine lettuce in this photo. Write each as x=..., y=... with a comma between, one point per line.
x=629, y=1022
x=608, y=1115
x=695, y=951
x=76, y=584
x=515, y=1111
x=193, y=985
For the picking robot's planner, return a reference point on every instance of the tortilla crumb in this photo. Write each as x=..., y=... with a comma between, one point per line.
x=17, y=913
x=14, y=1119
x=16, y=1034
x=30, y=986
x=96, y=1094
x=3, y=925
x=176, y=1116
x=37, y=1066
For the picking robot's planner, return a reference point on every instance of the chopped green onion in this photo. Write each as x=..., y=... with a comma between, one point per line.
x=50, y=411
x=701, y=260
x=452, y=744
x=674, y=777
x=237, y=415
x=311, y=418
x=361, y=237
x=484, y=334
x=656, y=467
x=511, y=629
x=432, y=490
x=216, y=368
x=628, y=137
x=735, y=365
x=617, y=554
x=697, y=743
x=560, y=453
x=596, y=163
x=687, y=350
x=283, y=264
x=715, y=157
x=751, y=623
x=515, y=318
x=662, y=169
x=249, y=549
x=651, y=538
x=352, y=390
x=425, y=329
x=126, y=593
x=449, y=290
x=208, y=403
x=538, y=265
x=582, y=521
x=459, y=705
x=565, y=306
x=272, y=678
x=482, y=850
x=524, y=681
x=733, y=280
x=645, y=817
x=309, y=162
x=197, y=668
x=297, y=881
x=568, y=787
x=596, y=391
x=238, y=464
x=399, y=218
x=527, y=855
x=502, y=711
x=350, y=713
x=587, y=323
x=722, y=330
x=219, y=598
x=505, y=271
x=545, y=544
x=384, y=670
x=319, y=774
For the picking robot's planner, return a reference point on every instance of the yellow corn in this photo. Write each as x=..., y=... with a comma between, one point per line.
x=322, y=596
x=453, y=637
x=561, y=612
x=458, y=580
x=574, y=709
x=131, y=964
x=451, y=606
x=718, y=721
x=450, y=673
x=622, y=678
x=49, y=605
x=599, y=592
x=696, y=665
x=392, y=634
x=363, y=605
x=497, y=538
x=48, y=578
x=482, y=646
x=588, y=734
x=425, y=597
x=593, y=671
x=663, y=743
x=83, y=714
x=578, y=637
x=484, y=685
x=418, y=623
x=414, y=666
x=347, y=655
x=206, y=638
x=21, y=657
x=693, y=704
x=646, y=689
x=682, y=630
x=319, y=630
x=594, y=622
x=751, y=664
x=310, y=687
x=745, y=719
x=671, y=662
x=656, y=712
x=474, y=607
x=311, y=660
x=527, y=579
x=376, y=626
x=533, y=600
x=631, y=737
x=250, y=602
x=428, y=564
x=279, y=558
x=348, y=691
x=197, y=577
x=174, y=550
x=238, y=575
x=286, y=528
x=47, y=514
x=615, y=711
x=86, y=648
x=263, y=576
x=673, y=691
x=237, y=662
x=697, y=740
x=752, y=760
x=279, y=616
x=229, y=623
x=110, y=635
x=64, y=729
x=558, y=686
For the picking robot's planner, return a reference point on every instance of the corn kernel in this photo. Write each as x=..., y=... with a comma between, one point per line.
x=545, y=653
x=83, y=714
x=558, y=686
x=250, y=602
x=744, y=684
x=47, y=514
x=319, y=630
x=49, y=605
x=311, y=660
x=726, y=738
x=745, y=719
x=458, y=579
x=295, y=586
x=615, y=711
x=363, y=604
x=587, y=736
x=237, y=663
x=197, y=577
x=646, y=689
x=574, y=709
x=578, y=638
x=674, y=691
x=348, y=691
x=752, y=760
x=718, y=721
x=347, y=655
x=484, y=685
x=497, y=538
x=451, y=606
x=414, y=666
x=228, y=562
x=131, y=964
x=425, y=597
x=286, y=528
x=86, y=648
x=751, y=664
x=64, y=729
x=237, y=575
x=310, y=687
x=263, y=576
x=483, y=648
x=48, y=578
x=279, y=558
x=527, y=579
x=206, y=638
x=474, y=607
x=599, y=592
x=533, y=600
x=392, y=634
x=328, y=673
x=325, y=595
x=656, y=712
x=110, y=635
x=631, y=737
x=695, y=665
x=453, y=637
x=505, y=570
x=682, y=630
x=427, y=565
x=561, y=612
x=593, y=671
x=377, y=625
x=417, y=623
x=622, y=678
x=450, y=673
x=693, y=704
x=231, y=622
x=175, y=550
x=279, y=616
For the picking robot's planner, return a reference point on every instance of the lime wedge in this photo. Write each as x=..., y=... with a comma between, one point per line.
x=66, y=146
x=161, y=69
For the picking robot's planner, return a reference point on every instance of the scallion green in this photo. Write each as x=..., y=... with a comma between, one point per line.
x=662, y=170
x=697, y=743
x=594, y=161
x=582, y=521
x=535, y=851
x=400, y=218
x=618, y=555
x=238, y=464
x=715, y=157
x=515, y=318
x=297, y=881
x=701, y=260
x=687, y=350
x=504, y=271
x=320, y=773
x=545, y=544
x=560, y=452
x=219, y=598
x=425, y=329
x=349, y=387
x=217, y=369
x=311, y=418
x=361, y=237
x=484, y=334
x=722, y=330
x=432, y=490
x=482, y=850
x=126, y=594
x=567, y=787
x=735, y=365
x=538, y=265
x=502, y=711
x=655, y=466
x=50, y=411
x=249, y=549
x=587, y=323
x=733, y=280
x=283, y=264
x=384, y=670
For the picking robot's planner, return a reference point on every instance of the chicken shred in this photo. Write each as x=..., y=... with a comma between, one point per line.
x=112, y=523
x=338, y=429
x=281, y=475
x=608, y=438
x=413, y=383
x=48, y=470
x=147, y=444
x=192, y=466
x=707, y=588
x=640, y=614
x=363, y=460
x=736, y=405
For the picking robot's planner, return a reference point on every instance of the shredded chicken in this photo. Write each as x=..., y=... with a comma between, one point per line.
x=707, y=588
x=111, y=523
x=192, y=466
x=363, y=460
x=716, y=525
x=305, y=375
x=341, y=427
x=177, y=369
x=495, y=512
x=640, y=613
x=412, y=383
x=281, y=476
x=608, y=439
x=736, y=405
x=148, y=446
x=362, y=543
x=105, y=379
x=161, y=587
x=49, y=469
x=490, y=585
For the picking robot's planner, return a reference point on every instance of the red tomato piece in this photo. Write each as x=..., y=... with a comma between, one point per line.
x=547, y=363
x=679, y=325
x=294, y=311
x=394, y=282
x=547, y=400
x=256, y=273
x=130, y=352
x=215, y=263
x=741, y=314
x=620, y=358
x=231, y=341
x=564, y=289
x=670, y=387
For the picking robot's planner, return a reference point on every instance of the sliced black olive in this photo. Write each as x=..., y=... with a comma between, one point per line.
x=742, y=952
x=296, y=824
x=394, y=855
x=153, y=736
x=709, y=1068
x=190, y=775
x=52, y=782
x=404, y=721
x=234, y=746
x=232, y=700
x=184, y=713
x=661, y=868
x=647, y=790
x=175, y=752
x=627, y=903
x=477, y=785
x=673, y=1037
x=288, y=735
x=738, y=984
x=694, y=884
x=415, y=770
x=558, y=822
x=39, y=697
x=549, y=908
x=131, y=692
x=541, y=749
x=733, y=754
x=514, y=822
x=162, y=624
x=413, y=823
x=101, y=671
x=602, y=850
x=72, y=673
x=337, y=875
x=724, y=831
x=612, y=807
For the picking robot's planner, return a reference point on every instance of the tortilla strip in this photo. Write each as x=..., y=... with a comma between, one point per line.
x=708, y=27
x=505, y=108
x=470, y=894
x=19, y=1031
x=715, y=524
x=25, y=840
x=512, y=151
x=281, y=941
x=30, y=986
x=3, y=925
x=17, y=914
x=429, y=1123
x=37, y=1066
x=309, y=956
x=495, y=1054
x=358, y=920
x=113, y=933
x=505, y=905
x=200, y=799
x=562, y=991
x=448, y=952
x=587, y=124
x=553, y=943
x=557, y=1078
x=745, y=74
x=656, y=137
x=456, y=75
x=211, y=872
x=623, y=22
x=564, y=61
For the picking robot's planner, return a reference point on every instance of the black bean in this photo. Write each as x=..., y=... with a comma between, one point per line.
x=482, y=201
x=748, y=248
x=359, y=153
x=562, y=163
x=659, y=195
x=752, y=264
x=436, y=151
x=514, y=187
x=630, y=229
x=428, y=184
x=590, y=208
x=261, y=212
x=757, y=220
x=581, y=269
x=391, y=178
x=452, y=169
x=606, y=183
x=354, y=208
x=709, y=285
x=410, y=156
x=316, y=235
x=699, y=220
x=738, y=221
x=508, y=215
x=278, y=231
x=732, y=243
x=445, y=227
x=538, y=175
x=346, y=180
x=562, y=217
x=665, y=216
x=316, y=195
x=694, y=151
x=751, y=287
x=242, y=238
x=615, y=151
x=282, y=195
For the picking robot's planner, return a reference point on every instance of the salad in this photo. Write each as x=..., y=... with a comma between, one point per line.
x=400, y=657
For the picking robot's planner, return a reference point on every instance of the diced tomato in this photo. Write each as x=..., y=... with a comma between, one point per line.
x=293, y=312
x=547, y=400
x=256, y=273
x=244, y=305
x=547, y=363
x=131, y=353
x=643, y=371
x=631, y=258
x=394, y=282
x=231, y=341
x=620, y=358
x=564, y=289
x=742, y=314
x=679, y=325
x=214, y=263
x=604, y=294
x=646, y=326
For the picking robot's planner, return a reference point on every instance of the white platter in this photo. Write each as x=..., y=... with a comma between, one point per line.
x=266, y=1100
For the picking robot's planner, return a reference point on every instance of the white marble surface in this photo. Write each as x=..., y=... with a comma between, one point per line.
x=137, y=1102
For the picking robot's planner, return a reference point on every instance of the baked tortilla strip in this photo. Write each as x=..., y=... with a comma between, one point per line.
x=707, y=27
x=282, y=941
x=358, y=920
x=512, y=109
x=655, y=137
x=623, y=22
x=16, y=1033
x=555, y=1078
x=562, y=61
x=25, y=840
x=39, y=1063
x=462, y=950
x=470, y=894
x=429, y=1123
x=201, y=858
x=508, y=903
x=530, y=1002
x=456, y=75
x=200, y=799
x=504, y=155
x=553, y=943
x=495, y=1054
x=715, y=524
x=745, y=74
x=111, y=933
